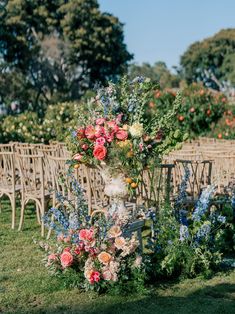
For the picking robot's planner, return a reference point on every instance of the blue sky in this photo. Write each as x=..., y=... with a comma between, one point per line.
x=161, y=30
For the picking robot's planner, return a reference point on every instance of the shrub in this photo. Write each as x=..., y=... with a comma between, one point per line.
x=200, y=109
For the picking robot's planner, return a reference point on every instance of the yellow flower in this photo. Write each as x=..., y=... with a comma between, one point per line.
x=136, y=130
x=125, y=143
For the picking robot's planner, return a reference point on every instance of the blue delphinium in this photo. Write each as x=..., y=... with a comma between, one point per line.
x=204, y=231
x=203, y=203
x=138, y=79
x=182, y=194
x=184, y=233
x=221, y=219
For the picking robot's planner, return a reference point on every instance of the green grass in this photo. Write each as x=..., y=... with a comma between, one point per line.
x=26, y=287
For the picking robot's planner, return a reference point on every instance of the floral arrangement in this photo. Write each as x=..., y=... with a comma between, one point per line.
x=98, y=253
x=121, y=131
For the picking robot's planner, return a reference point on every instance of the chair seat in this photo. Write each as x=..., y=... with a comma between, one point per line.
x=37, y=194
x=9, y=189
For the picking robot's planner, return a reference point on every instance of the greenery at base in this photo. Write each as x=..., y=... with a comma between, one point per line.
x=25, y=286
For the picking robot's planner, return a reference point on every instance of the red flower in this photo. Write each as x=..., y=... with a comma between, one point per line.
x=80, y=133
x=100, y=152
x=95, y=277
x=77, y=250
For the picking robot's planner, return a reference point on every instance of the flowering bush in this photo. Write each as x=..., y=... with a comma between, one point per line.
x=25, y=127
x=28, y=127
x=98, y=253
x=188, y=242
x=225, y=128
x=121, y=131
x=200, y=109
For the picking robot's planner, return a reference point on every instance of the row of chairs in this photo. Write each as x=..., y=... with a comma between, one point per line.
x=34, y=172
x=221, y=153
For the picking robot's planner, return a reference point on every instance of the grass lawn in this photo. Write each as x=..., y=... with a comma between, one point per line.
x=26, y=287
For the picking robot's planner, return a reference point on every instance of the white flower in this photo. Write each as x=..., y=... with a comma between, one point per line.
x=136, y=130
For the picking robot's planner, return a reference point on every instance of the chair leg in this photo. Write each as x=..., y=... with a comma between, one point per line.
x=38, y=214
x=42, y=214
x=50, y=229
x=21, y=215
x=13, y=209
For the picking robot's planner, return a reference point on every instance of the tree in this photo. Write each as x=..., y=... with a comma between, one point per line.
x=158, y=72
x=208, y=60
x=60, y=48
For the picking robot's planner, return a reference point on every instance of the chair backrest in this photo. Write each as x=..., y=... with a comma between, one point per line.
x=199, y=175
x=7, y=147
x=7, y=170
x=31, y=173
x=156, y=185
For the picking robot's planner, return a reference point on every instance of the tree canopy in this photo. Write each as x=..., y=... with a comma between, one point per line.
x=211, y=60
x=158, y=71
x=57, y=49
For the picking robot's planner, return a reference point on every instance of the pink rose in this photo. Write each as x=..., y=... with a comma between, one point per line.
x=100, y=121
x=95, y=277
x=121, y=135
x=141, y=146
x=90, y=132
x=86, y=234
x=85, y=147
x=100, y=141
x=99, y=152
x=77, y=157
x=66, y=259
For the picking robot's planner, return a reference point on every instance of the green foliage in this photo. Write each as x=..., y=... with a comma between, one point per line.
x=53, y=51
x=28, y=127
x=199, y=111
x=184, y=255
x=209, y=58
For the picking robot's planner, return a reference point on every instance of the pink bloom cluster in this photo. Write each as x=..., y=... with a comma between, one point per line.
x=96, y=138
x=100, y=260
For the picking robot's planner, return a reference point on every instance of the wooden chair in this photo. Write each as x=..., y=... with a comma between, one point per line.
x=33, y=186
x=156, y=185
x=9, y=182
x=199, y=178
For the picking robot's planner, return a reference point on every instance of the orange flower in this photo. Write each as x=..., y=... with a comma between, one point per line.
x=104, y=257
